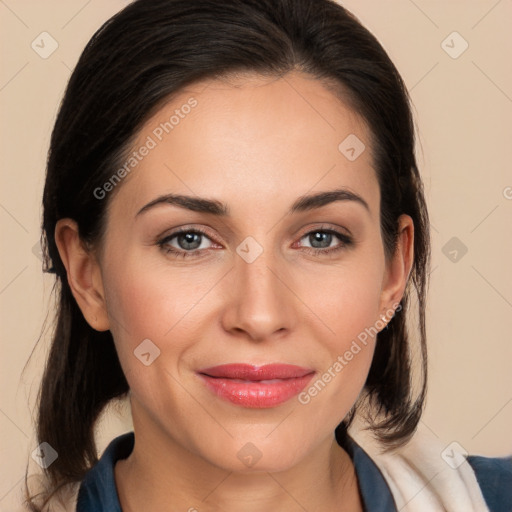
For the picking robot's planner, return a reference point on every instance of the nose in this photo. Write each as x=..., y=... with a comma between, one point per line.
x=259, y=300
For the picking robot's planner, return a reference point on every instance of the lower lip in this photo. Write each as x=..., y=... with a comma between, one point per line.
x=257, y=395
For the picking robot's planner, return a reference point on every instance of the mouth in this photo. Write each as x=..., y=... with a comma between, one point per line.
x=256, y=386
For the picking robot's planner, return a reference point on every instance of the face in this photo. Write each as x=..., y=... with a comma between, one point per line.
x=188, y=288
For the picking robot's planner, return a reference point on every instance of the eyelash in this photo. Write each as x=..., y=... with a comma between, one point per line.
x=345, y=240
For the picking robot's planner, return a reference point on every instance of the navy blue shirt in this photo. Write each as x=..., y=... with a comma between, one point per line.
x=98, y=492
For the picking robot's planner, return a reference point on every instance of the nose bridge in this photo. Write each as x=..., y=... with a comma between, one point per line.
x=261, y=304
x=254, y=271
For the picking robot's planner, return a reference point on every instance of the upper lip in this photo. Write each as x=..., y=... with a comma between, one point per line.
x=255, y=373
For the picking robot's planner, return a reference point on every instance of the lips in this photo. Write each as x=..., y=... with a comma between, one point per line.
x=256, y=386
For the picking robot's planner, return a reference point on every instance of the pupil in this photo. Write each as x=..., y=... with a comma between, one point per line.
x=189, y=240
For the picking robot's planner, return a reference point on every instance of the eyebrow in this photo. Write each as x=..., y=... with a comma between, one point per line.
x=214, y=207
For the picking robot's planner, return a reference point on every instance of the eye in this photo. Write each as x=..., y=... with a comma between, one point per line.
x=321, y=241
x=191, y=243
x=185, y=243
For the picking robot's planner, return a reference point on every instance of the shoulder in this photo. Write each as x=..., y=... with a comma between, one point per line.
x=494, y=476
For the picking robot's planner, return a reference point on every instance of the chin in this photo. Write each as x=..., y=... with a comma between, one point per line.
x=261, y=454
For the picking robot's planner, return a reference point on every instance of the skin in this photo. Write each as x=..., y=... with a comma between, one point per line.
x=256, y=144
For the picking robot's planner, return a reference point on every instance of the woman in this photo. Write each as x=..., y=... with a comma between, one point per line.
x=236, y=220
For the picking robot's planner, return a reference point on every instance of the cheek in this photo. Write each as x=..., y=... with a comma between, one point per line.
x=146, y=303
x=346, y=299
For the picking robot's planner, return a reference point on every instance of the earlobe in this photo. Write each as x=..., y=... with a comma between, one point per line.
x=399, y=268
x=83, y=274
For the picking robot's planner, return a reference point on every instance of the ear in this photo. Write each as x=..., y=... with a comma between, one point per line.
x=399, y=267
x=83, y=273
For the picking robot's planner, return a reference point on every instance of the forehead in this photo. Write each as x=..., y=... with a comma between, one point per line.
x=254, y=139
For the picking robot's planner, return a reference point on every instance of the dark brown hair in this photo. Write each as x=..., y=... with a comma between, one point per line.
x=134, y=63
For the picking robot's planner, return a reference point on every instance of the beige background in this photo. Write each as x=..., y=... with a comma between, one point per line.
x=463, y=110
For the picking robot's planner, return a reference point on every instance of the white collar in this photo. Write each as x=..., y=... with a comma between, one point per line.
x=418, y=476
